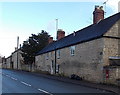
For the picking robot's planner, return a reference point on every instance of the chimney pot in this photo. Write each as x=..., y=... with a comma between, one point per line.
x=96, y=7
x=101, y=7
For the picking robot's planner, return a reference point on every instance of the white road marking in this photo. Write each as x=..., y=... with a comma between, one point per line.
x=13, y=78
x=25, y=83
x=7, y=75
x=44, y=91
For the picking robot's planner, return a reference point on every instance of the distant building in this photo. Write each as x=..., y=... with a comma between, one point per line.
x=9, y=62
x=15, y=60
x=0, y=61
x=91, y=53
x=3, y=62
x=16, y=57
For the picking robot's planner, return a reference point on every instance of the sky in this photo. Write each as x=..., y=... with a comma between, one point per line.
x=27, y=17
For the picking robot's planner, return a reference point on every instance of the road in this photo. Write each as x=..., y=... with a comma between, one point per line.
x=26, y=82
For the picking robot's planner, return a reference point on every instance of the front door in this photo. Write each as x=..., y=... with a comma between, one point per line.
x=11, y=65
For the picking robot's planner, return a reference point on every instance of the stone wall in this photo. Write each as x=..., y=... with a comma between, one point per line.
x=8, y=62
x=110, y=49
x=44, y=62
x=119, y=35
x=26, y=67
x=14, y=60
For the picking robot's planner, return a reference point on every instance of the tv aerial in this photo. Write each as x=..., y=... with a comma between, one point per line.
x=105, y=6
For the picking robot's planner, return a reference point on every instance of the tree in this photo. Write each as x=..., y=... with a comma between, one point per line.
x=34, y=44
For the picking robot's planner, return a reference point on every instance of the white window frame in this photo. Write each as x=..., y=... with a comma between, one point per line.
x=58, y=54
x=57, y=68
x=72, y=50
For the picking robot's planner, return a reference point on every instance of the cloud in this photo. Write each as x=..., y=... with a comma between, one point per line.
x=119, y=6
x=8, y=38
x=6, y=43
x=52, y=0
x=113, y=4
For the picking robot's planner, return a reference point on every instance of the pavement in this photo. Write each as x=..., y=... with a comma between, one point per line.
x=111, y=88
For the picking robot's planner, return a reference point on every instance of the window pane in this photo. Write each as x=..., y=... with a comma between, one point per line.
x=72, y=50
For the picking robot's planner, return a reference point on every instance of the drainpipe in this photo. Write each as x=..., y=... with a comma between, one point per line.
x=55, y=61
x=17, y=59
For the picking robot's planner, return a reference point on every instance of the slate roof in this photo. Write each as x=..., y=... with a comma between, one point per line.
x=89, y=33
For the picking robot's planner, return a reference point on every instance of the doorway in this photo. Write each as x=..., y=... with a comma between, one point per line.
x=52, y=67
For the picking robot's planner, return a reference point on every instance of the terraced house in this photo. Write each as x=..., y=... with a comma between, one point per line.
x=15, y=60
x=92, y=53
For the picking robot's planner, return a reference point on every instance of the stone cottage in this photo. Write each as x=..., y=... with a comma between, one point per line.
x=90, y=53
x=15, y=60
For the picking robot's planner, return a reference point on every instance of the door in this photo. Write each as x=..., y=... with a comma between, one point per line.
x=11, y=65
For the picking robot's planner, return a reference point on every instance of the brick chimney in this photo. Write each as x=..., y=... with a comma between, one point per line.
x=50, y=40
x=98, y=14
x=60, y=34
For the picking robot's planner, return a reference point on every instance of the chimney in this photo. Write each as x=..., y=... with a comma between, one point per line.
x=60, y=34
x=16, y=48
x=98, y=14
x=50, y=40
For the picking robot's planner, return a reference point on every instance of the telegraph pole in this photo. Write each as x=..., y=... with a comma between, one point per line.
x=17, y=42
x=56, y=27
x=55, y=46
x=56, y=24
x=17, y=49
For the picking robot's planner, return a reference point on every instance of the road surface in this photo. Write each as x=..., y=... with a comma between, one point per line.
x=26, y=82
